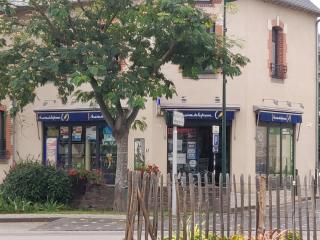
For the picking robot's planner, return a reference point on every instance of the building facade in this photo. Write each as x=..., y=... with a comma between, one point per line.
x=271, y=107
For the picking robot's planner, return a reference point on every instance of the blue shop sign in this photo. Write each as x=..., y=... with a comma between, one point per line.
x=280, y=117
x=207, y=115
x=83, y=116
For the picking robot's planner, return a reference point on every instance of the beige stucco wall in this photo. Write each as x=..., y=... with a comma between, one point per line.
x=250, y=24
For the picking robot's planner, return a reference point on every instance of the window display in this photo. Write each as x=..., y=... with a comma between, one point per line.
x=275, y=149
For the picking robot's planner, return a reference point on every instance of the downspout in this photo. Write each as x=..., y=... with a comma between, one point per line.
x=317, y=102
x=14, y=135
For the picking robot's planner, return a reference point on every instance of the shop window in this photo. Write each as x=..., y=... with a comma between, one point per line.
x=275, y=150
x=2, y=135
x=81, y=146
x=278, y=67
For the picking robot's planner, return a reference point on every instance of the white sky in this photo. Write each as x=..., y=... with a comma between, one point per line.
x=317, y=2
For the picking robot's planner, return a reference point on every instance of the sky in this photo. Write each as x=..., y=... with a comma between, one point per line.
x=317, y=2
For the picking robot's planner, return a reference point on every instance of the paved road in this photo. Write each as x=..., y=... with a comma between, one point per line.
x=27, y=231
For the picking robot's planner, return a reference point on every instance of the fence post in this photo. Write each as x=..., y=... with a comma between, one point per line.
x=242, y=203
x=214, y=203
x=206, y=191
x=249, y=207
x=262, y=204
x=228, y=189
x=177, y=189
x=307, y=207
x=235, y=204
x=161, y=209
x=270, y=202
x=313, y=200
x=191, y=187
x=200, y=204
x=221, y=205
x=169, y=204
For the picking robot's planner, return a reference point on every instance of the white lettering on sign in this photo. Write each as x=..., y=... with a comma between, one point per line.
x=198, y=115
x=281, y=118
x=178, y=119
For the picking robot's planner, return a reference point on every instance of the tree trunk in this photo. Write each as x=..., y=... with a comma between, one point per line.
x=121, y=182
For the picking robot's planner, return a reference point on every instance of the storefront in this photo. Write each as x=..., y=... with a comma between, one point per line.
x=78, y=139
x=195, y=140
x=276, y=135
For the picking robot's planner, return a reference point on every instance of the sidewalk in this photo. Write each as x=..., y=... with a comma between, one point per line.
x=45, y=217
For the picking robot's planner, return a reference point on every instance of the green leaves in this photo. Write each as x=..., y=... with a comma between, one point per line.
x=115, y=46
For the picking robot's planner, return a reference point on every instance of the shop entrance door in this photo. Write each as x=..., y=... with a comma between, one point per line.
x=195, y=151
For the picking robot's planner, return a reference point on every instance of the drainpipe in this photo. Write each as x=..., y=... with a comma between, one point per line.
x=317, y=102
x=14, y=135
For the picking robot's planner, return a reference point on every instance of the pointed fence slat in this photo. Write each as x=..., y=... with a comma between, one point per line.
x=235, y=205
x=307, y=206
x=214, y=203
x=278, y=201
x=185, y=213
x=161, y=209
x=249, y=209
x=206, y=193
x=242, y=203
x=270, y=202
x=178, y=207
x=199, y=204
x=192, y=202
x=157, y=203
x=299, y=205
x=285, y=202
x=313, y=212
x=257, y=205
x=293, y=205
x=221, y=205
x=169, y=204
x=228, y=192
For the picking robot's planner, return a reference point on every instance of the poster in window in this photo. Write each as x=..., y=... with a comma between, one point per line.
x=191, y=150
x=77, y=133
x=64, y=133
x=139, y=153
x=51, y=147
x=107, y=135
x=91, y=133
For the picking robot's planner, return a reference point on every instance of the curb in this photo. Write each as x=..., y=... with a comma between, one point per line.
x=28, y=219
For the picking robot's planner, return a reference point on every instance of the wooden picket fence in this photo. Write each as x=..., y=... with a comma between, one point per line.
x=223, y=207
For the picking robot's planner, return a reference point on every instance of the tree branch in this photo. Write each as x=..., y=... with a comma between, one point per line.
x=104, y=110
x=168, y=53
x=133, y=115
x=119, y=107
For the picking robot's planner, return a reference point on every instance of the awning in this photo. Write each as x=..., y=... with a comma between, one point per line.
x=69, y=116
x=202, y=113
x=278, y=115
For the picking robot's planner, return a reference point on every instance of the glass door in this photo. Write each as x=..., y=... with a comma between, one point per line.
x=274, y=150
x=287, y=151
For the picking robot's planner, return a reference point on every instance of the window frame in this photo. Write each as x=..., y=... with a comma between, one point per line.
x=281, y=126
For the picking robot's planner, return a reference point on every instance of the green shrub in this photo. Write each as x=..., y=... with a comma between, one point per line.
x=34, y=182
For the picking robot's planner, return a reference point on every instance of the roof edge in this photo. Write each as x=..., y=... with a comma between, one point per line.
x=315, y=11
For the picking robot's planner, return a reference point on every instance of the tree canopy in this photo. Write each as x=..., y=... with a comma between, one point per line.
x=116, y=47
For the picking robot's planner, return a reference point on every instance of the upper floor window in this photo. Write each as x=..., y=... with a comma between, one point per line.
x=278, y=67
x=2, y=134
